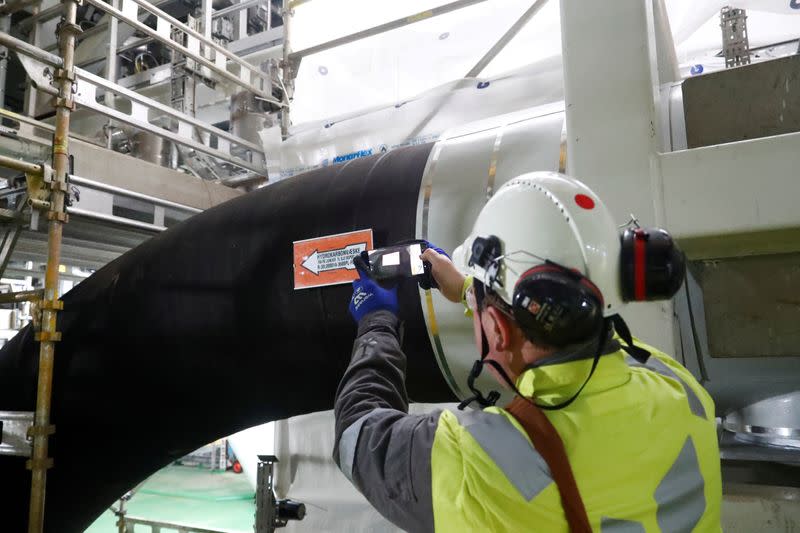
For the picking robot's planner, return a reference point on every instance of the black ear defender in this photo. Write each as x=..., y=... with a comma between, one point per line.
x=652, y=267
x=557, y=307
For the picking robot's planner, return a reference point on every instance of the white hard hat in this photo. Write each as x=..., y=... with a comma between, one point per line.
x=546, y=216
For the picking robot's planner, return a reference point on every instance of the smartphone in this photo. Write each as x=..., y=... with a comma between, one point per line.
x=395, y=262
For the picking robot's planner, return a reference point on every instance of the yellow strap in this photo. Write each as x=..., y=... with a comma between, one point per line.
x=464, y=288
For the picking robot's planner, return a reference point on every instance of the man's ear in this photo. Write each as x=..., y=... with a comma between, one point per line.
x=498, y=329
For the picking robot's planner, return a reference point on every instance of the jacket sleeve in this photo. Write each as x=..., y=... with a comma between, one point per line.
x=384, y=451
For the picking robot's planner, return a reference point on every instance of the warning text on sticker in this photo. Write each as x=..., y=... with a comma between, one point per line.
x=328, y=260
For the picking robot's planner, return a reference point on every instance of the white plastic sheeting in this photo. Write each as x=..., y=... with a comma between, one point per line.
x=414, y=121
x=405, y=62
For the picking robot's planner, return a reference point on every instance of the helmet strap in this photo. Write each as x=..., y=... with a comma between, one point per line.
x=640, y=354
x=493, y=396
x=477, y=396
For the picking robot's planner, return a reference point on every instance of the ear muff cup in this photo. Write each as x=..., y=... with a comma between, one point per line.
x=652, y=267
x=556, y=307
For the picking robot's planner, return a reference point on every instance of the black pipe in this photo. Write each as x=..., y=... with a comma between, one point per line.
x=198, y=333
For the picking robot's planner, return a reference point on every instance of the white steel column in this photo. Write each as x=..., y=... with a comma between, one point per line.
x=610, y=77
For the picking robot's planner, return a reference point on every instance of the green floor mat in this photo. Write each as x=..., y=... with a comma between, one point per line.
x=192, y=496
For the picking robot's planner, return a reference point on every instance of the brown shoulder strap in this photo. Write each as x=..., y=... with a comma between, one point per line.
x=548, y=443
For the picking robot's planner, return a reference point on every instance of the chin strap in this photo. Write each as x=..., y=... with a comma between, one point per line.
x=493, y=396
x=615, y=321
x=477, y=396
x=640, y=354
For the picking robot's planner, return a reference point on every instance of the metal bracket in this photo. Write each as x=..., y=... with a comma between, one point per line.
x=66, y=102
x=47, y=336
x=272, y=513
x=47, y=173
x=56, y=305
x=46, y=464
x=14, y=427
x=61, y=217
x=61, y=74
x=57, y=185
x=39, y=205
x=34, y=220
x=266, y=503
x=36, y=431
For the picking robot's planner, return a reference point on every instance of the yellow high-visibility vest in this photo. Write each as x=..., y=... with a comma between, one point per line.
x=641, y=440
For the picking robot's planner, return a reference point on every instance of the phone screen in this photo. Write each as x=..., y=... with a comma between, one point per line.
x=414, y=253
x=401, y=261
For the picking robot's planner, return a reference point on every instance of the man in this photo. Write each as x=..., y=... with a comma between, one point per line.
x=621, y=443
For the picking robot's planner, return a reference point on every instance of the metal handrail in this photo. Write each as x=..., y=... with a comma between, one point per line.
x=87, y=84
x=182, y=528
x=147, y=6
x=21, y=296
x=22, y=166
x=165, y=40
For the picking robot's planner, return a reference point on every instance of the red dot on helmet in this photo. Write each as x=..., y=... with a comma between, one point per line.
x=584, y=201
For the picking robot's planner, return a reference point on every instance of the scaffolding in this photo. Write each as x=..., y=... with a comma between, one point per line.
x=735, y=42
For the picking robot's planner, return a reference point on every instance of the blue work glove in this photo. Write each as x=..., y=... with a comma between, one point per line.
x=437, y=249
x=427, y=282
x=368, y=296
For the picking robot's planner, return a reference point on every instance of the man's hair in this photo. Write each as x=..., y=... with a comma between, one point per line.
x=490, y=298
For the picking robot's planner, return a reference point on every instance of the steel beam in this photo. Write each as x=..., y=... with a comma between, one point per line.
x=612, y=127
x=720, y=210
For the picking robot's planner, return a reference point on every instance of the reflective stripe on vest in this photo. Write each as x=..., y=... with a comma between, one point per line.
x=681, y=494
x=654, y=364
x=510, y=450
x=613, y=525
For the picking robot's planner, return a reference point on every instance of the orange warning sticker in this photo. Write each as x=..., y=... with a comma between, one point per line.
x=329, y=260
